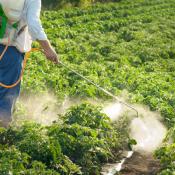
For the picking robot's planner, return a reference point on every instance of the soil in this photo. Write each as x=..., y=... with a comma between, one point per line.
x=140, y=164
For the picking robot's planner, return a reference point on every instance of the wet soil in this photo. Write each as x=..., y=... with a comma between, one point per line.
x=140, y=164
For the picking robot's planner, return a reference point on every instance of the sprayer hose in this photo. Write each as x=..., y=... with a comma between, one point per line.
x=23, y=68
x=67, y=67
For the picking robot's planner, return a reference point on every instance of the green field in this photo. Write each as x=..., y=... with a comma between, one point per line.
x=129, y=45
x=126, y=45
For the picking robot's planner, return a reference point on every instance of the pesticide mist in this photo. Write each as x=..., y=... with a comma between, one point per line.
x=113, y=110
x=147, y=130
x=39, y=108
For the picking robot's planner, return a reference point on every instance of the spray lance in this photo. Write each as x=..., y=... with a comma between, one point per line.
x=75, y=72
x=100, y=88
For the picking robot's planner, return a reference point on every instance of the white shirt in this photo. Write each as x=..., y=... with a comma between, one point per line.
x=31, y=15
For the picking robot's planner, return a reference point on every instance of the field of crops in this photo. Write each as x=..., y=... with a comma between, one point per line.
x=59, y=4
x=128, y=45
x=120, y=46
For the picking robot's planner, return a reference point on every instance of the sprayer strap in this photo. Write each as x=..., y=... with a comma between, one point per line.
x=3, y=22
x=21, y=30
x=15, y=25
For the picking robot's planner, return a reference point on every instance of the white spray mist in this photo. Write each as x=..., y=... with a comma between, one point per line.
x=147, y=129
x=113, y=110
x=40, y=108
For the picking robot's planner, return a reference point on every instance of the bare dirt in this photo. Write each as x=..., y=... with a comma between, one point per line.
x=140, y=164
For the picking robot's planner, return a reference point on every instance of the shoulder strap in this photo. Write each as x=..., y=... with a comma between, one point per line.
x=3, y=21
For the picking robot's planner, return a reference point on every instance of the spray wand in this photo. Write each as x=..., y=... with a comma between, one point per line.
x=70, y=69
x=100, y=88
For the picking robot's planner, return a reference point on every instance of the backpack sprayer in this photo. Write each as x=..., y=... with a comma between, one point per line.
x=5, y=34
x=3, y=26
x=3, y=30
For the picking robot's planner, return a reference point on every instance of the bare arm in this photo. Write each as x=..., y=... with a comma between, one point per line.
x=49, y=51
x=37, y=32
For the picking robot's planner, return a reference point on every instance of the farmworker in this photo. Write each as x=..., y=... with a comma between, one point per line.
x=22, y=26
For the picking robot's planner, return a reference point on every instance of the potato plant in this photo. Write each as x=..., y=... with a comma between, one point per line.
x=66, y=147
x=121, y=46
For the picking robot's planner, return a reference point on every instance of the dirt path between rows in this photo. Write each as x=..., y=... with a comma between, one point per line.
x=140, y=164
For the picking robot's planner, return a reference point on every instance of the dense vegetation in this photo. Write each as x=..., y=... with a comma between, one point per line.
x=80, y=143
x=128, y=45
x=57, y=4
